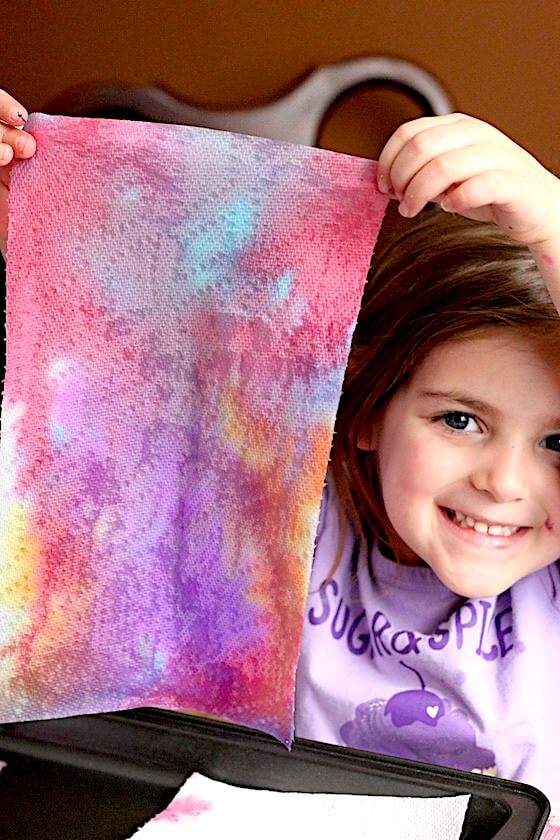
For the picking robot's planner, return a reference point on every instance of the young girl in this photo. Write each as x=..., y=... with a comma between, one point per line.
x=433, y=613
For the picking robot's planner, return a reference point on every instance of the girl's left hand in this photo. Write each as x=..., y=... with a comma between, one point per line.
x=471, y=168
x=14, y=143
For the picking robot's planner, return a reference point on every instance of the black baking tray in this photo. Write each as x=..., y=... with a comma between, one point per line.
x=100, y=777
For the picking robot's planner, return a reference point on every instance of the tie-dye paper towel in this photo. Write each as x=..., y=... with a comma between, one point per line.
x=180, y=304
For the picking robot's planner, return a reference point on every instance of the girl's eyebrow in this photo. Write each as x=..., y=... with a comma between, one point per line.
x=464, y=399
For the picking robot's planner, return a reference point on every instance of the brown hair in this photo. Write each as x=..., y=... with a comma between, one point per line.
x=443, y=278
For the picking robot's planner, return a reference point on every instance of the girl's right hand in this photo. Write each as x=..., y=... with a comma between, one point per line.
x=14, y=143
x=469, y=167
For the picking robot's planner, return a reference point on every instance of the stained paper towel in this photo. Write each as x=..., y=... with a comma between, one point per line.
x=205, y=808
x=180, y=304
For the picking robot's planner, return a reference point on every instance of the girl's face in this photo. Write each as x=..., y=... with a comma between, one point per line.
x=469, y=462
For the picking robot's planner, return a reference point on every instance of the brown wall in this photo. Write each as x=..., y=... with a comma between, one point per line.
x=498, y=58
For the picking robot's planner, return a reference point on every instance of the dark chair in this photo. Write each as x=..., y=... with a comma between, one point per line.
x=385, y=92
x=296, y=116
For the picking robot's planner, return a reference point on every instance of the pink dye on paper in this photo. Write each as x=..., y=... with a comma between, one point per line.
x=187, y=806
x=180, y=304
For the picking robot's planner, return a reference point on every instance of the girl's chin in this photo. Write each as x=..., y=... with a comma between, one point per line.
x=468, y=581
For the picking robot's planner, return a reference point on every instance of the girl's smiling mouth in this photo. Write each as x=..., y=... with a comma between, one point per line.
x=482, y=531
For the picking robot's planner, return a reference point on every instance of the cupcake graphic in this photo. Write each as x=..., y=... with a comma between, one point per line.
x=418, y=724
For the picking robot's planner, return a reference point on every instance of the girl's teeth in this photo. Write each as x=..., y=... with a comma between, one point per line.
x=501, y=530
x=482, y=527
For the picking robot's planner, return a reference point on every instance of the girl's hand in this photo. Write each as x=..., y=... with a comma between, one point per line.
x=14, y=143
x=471, y=168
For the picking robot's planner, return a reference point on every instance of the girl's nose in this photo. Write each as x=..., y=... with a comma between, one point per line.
x=503, y=473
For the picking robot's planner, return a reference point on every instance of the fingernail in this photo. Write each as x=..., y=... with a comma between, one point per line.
x=4, y=153
x=404, y=209
x=21, y=145
x=382, y=184
x=19, y=116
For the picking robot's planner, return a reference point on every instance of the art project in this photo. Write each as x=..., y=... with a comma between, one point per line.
x=180, y=306
x=206, y=808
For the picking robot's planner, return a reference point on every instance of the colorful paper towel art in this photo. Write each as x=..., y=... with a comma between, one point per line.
x=180, y=304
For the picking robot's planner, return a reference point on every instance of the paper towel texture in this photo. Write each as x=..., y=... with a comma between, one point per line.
x=206, y=808
x=180, y=304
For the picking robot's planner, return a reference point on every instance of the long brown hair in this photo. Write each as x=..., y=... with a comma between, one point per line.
x=443, y=278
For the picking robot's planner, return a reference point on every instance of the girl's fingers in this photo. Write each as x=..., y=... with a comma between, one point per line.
x=487, y=188
x=501, y=197
x=403, y=136
x=446, y=171
x=6, y=154
x=431, y=144
x=471, y=168
x=12, y=112
x=15, y=143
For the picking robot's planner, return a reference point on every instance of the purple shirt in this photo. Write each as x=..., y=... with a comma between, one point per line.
x=396, y=663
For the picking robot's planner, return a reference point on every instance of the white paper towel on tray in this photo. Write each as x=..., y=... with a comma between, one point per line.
x=205, y=808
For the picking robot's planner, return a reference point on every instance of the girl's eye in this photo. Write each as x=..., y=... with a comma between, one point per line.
x=460, y=422
x=552, y=442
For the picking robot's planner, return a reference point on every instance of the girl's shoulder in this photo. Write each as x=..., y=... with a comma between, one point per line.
x=332, y=519
x=334, y=537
